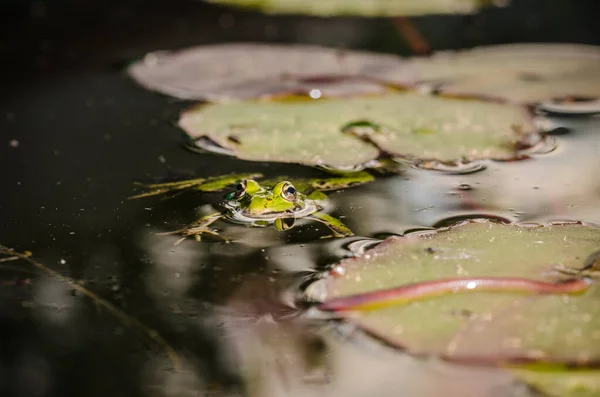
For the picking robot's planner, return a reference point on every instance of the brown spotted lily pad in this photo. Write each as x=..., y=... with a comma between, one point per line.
x=365, y=8
x=247, y=70
x=524, y=73
x=480, y=292
x=351, y=132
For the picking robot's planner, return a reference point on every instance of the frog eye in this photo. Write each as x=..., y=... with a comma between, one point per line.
x=288, y=192
x=240, y=190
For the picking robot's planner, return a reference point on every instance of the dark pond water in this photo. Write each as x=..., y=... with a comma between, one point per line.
x=77, y=133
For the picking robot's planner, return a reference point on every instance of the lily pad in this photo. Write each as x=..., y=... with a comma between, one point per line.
x=527, y=310
x=365, y=8
x=525, y=73
x=237, y=71
x=411, y=126
x=560, y=382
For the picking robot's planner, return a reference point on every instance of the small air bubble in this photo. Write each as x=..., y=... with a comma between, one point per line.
x=62, y=261
x=464, y=186
x=315, y=94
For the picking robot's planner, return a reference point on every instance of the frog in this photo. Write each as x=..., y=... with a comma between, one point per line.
x=277, y=202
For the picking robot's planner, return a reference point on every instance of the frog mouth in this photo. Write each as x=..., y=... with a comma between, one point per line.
x=248, y=217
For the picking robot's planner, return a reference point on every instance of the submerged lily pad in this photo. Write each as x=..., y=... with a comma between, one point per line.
x=249, y=70
x=528, y=309
x=320, y=132
x=525, y=73
x=366, y=8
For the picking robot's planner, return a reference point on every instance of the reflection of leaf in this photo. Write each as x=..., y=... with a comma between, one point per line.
x=310, y=131
x=237, y=71
x=483, y=326
x=277, y=358
x=521, y=73
x=367, y=8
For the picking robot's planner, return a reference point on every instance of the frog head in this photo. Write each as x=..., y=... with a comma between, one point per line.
x=253, y=202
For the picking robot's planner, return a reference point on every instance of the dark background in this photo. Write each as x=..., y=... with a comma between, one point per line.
x=40, y=38
x=84, y=131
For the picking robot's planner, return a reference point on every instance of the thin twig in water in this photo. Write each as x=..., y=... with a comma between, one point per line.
x=127, y=320
x=411, y=36
x=10, y=258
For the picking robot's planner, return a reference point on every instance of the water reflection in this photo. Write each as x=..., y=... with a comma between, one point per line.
x=228, y=310
x=545, y=187
x=286, y=358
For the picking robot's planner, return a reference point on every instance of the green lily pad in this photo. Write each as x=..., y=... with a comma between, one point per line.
x=407, y=125
x=234, y=71
x=366, y=8
x=537, y=312
x=524, y=73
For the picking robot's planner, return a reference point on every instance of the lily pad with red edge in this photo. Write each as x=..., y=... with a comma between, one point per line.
x=364, y=8
x=226, y=72
x=514, y=324
x=523, y=73
x=410, y=126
